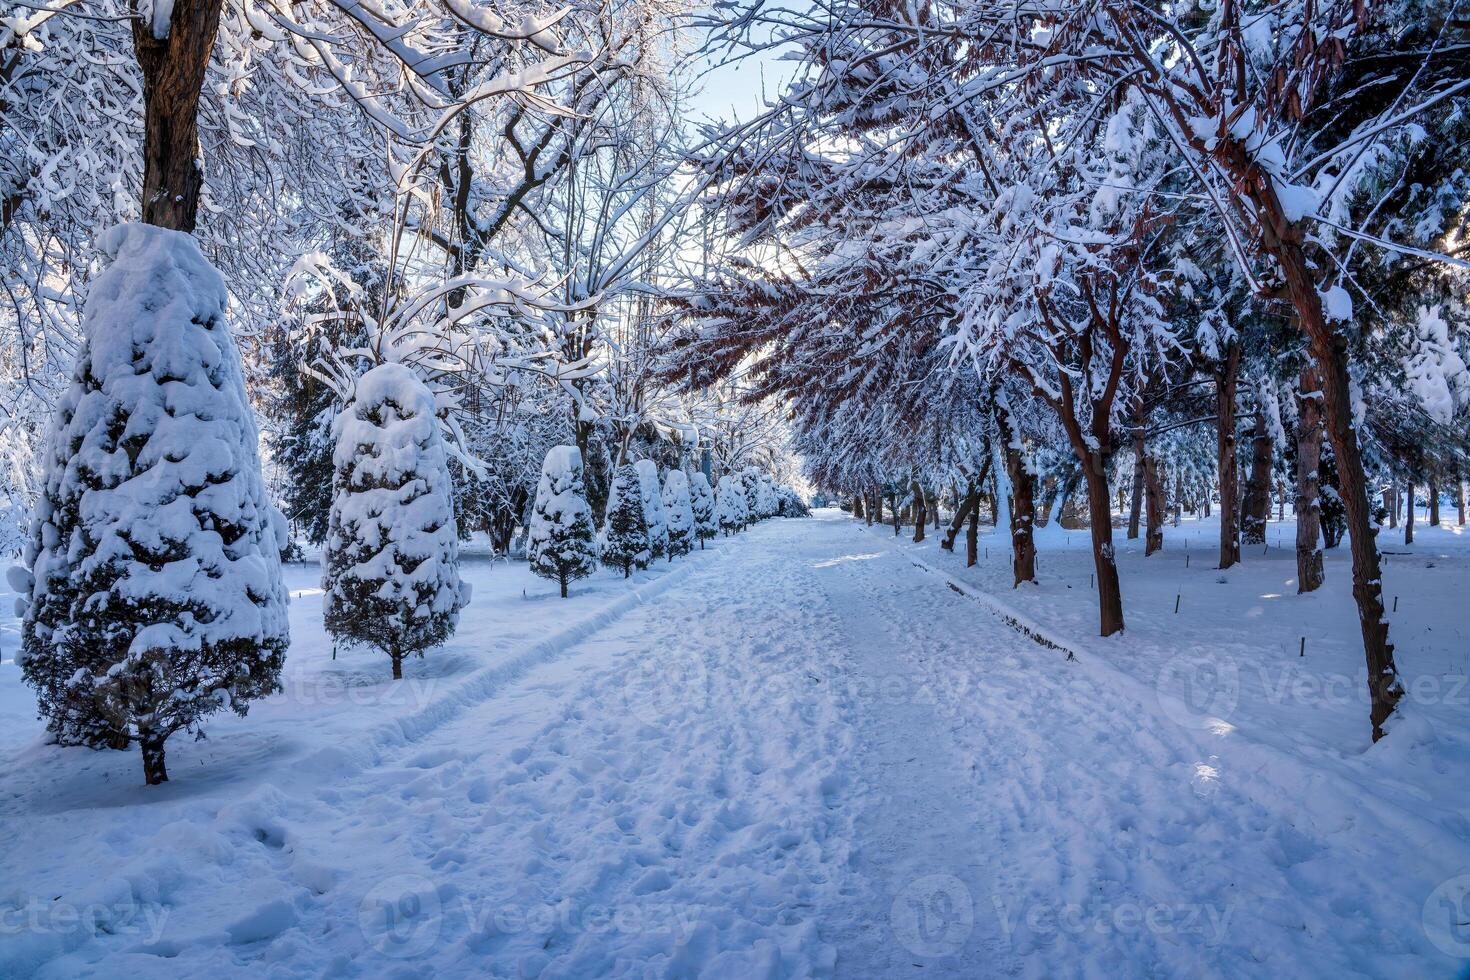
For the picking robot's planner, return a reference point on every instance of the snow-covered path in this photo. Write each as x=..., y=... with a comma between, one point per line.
x=805, y=756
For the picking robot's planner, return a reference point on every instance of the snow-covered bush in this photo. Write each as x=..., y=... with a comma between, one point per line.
x=790, y=504
x=154, y=596
x=562, y=542
x=625, y=532
x=653, y=508
x=730, y=509
x=702, y=499
x=680, y=510
x=391, y=577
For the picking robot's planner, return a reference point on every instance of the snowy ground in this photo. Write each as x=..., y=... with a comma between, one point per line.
x=813, y=750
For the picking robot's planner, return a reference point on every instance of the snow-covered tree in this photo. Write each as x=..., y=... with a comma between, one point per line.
x=702, y=500
x=654, y=516
x=391, y=576
x=154, y=596
x=730, y=508
x=680, y=510
x=625, y=531
x=562, y=543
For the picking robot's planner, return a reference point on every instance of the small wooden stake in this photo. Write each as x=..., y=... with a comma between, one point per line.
x=1304, y=648
x=1176, y=604
x=1395, y=603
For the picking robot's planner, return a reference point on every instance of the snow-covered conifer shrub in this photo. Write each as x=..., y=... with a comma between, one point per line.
x=653, y=508
x=625, y=533
x=391, y=563
x=154, y=596
x=790, y=504
x=702, y=499
x=563, y=542
x=680, y=510
x=730, y=508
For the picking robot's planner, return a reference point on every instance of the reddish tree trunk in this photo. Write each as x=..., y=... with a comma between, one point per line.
x=1256, y=508
x=1329, y=349
x=1154, y=489
x=1099, y=511
x=1226, y=375
x=1135, y=507
x=1309, y=570
x=1023, y=516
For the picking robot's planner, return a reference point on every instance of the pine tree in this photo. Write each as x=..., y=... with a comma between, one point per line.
x=563, y=543
x=392, y=554
x=706, y=524
x=155, y=595
x=680, y=509
x=653, y=509
x=730, y=506
x=625, y=533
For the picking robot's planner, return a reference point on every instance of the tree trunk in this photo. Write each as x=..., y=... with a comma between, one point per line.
x=968, y=503
x=1433, y=501
x=1256, y=508
x=1459, y=500
x=173, y=68
x=1023, y=517
x=1309, y=571
x=1409, y=513
x=972, y=534
x=1157, y=502
x=1391, y=504
x=1022, y=509
x=1329, y=348
x=921, y=515
x=154, y=770
x=1135, y=506
x=397, y=664
x=1099, y=511
x=564, y=582
x=1226, y=375
x=857, y=506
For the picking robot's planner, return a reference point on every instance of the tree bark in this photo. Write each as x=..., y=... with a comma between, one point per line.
x=857, y=506
x=1154, y=490
x=1391, y=504
x=1433, y=501
x=1459, y=500
x=1409, y=512
x=1309, y=570
x=921, y=514
x=154, y=770
x=1226, y=376
x=1329, y=348
x=1099, y=512
x=1256, y=508
x=173, y=69
x=1135, y=507
x=397, y=664
x=1023, y=501
x=972, y=534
